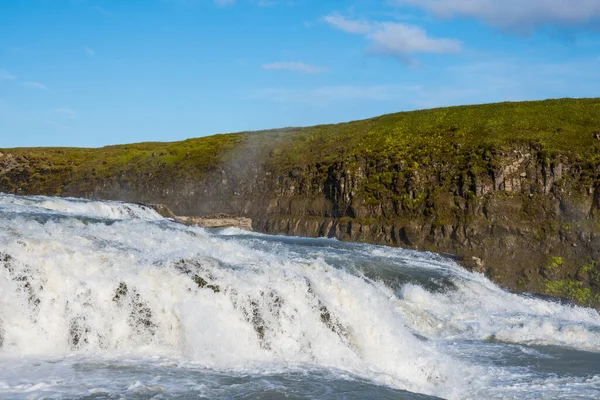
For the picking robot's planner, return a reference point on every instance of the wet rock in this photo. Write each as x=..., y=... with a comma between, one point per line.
x=140, y=316
x=162, y=210
x=79, y=331
x=121, y=292
x=6, y=260
x=274, y=302
x=217, y=221
x=473, y=264
x=328, y=319
x=203, y=284
x=257, y=321
x=189, y=267
x=24, y=276
x=254, y=311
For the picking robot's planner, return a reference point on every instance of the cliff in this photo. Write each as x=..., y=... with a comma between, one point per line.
x=511, y=189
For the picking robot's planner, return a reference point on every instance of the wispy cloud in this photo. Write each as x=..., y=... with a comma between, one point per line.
x=104, y=11
x=515, y=15
x=64, y=113
x=494, y=80
x=6, y=76
x=60, y=117
x=36, y=85
x=325, y=95
x=223, y=3
x=406, y=96
x=394, y=38
x=348, y=25
x=294, y=66
x=268, y=3
x=271, y=3
x=18, y=49
x=89, y=51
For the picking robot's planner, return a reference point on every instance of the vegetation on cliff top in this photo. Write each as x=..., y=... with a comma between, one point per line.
x=464, y=136
x=565, y=126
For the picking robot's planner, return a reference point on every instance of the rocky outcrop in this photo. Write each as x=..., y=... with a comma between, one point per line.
x=216, y=221
x=509, y=212
x=206, y=221
x=162, y=210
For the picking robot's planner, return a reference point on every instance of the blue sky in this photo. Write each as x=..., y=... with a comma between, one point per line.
x=91, y=73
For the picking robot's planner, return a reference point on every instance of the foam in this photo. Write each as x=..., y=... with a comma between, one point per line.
x=77, y=207
x=80, y=267
x=267, y=305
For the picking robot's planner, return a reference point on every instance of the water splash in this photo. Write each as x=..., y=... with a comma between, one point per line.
x=142, y=286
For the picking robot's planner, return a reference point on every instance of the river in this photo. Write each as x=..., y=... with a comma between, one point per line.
x=108, y=300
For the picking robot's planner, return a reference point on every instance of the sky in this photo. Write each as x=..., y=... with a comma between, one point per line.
x=90, y=73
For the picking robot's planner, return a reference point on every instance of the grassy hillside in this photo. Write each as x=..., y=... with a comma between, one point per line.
x=565, y=126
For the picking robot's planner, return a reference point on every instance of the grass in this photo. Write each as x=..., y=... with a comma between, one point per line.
x=564, y=125
x=465, y=136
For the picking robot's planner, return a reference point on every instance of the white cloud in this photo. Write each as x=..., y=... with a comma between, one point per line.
x=6, y=76
x=64, y=113
x=36, y=85
x=517, y=15
x=397, y=39
x=394, y=38
x=293, y=66
x=347, y=25
x=89, y=51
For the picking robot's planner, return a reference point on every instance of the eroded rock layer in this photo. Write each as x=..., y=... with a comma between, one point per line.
x=512, y=190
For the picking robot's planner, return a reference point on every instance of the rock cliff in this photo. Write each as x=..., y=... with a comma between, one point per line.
x=522, y=208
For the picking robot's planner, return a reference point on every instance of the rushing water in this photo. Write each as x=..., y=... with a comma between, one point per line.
x=107, y=300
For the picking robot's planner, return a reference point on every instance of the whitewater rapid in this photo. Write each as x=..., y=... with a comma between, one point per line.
x=108, y=300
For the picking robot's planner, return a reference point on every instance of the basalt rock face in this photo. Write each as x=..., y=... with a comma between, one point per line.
x=527, y=221
x=511, y=190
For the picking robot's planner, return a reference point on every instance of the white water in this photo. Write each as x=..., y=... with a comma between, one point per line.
x=76, y=207
x=285, y=307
